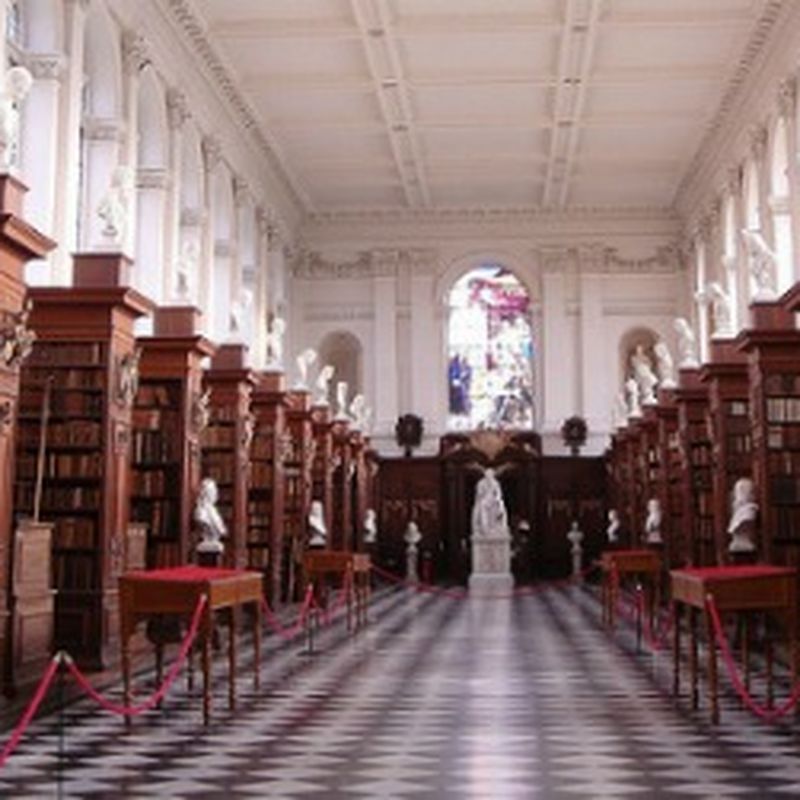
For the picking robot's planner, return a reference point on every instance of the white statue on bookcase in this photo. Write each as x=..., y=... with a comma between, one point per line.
x=209, y=522
x=18, y=82
x=762, y=264
x=341, y=401
x=665, y=366
x=644, y=375
x=721, y=306
x=632, y=391
x=304, y=362
x=239, y=308
x=370, y=527
x=613, y=529
x=357, y=407
x=742, y=524
x=187, y=266
x=114, y=208
x=652, y=524
x=318, y=531
x=322, y=385
x=687, y=344
x=274, y=344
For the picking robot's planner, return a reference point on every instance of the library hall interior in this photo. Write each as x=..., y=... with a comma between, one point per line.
x=399, y=399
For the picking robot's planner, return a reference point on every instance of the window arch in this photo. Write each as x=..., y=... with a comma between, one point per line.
x=490, y=351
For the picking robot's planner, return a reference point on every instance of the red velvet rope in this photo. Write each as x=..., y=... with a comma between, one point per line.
x=158, y=695
x=767, y=714
x=277, y=626
x=30, y=711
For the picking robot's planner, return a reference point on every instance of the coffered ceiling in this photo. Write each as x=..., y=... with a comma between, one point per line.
x=398, y=104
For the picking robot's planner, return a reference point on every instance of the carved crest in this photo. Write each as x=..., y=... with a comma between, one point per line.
x=16, y=338
x=201, y=410
x=127, y=383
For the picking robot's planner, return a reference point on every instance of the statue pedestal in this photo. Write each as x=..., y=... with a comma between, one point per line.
x=491, y=566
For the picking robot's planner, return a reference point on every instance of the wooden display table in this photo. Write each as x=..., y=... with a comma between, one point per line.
x=177, y=591
x=320, y=565
x=615, y=564
x=736, y=588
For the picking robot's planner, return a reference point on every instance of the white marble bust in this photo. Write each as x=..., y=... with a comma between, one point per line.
x=208, y=520
x=322, y=385
x=370, y=526
x=612, y=531
x=18, y=82
x=721, y=305
x=632, y=390
x=744, y=512
x=652, y=525
x=687, y=344
x=665, y=366
x=274, y=344
x=644, y=375
x=341, y=401
x=316, y=524
x=304, y=362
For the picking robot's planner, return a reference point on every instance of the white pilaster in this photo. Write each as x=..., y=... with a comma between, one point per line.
x=177, y=114
x=596, y=400
x=428, y=385
x=385, y=348
x=150, y=252
x=558, y=360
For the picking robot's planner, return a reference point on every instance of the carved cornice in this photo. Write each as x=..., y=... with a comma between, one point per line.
x=599, y=258
x=190, y=25
x=46, y=66
x=378, y=263
x=736, y=85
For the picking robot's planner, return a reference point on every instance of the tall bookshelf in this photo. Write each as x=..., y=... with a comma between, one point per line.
x=265, y=490
x=728, y=415
x=298, y=471
x=19, y=243
x=622, y=472
x=342, y=510
x=772, y=346
x=359, y=488
x=650, y=466
x=85, y=349
x=226, y=442
x=696, y=544
x=671, y=484
x=170, y=413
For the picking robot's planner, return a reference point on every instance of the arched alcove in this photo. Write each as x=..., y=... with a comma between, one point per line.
x=490, y=351
x=344, y=352
x=629, y=344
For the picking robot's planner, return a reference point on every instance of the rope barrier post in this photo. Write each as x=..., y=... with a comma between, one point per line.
x=713, y=689
x=61, y=726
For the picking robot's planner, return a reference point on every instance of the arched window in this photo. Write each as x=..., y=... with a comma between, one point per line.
x=490, y=351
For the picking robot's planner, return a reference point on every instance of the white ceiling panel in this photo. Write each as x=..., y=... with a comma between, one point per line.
x=490, y=103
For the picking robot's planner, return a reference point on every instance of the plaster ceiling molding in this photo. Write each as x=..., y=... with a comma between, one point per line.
x=309, y=265
x=665, y=261
x=737, y=84
x=195, y=33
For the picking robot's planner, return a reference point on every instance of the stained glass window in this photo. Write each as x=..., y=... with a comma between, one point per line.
x=490, y=352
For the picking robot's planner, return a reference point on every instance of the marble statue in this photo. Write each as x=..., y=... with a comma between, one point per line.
x=763, y=265
x=687, y=344
x=114, y=208
x=316, y=524
x=322, y=385
x=304, y=362
x=412, y=537
x=644, y=375
x=341, y=400
x=665, y=366
x=274, y=343
x=370, y=526
x=575, y=538
x=18, y=82
x=632, y=390
x=744, y=511
x=366, y=420
x=187, y=266
x=357, y=407
x=612, y=531
x=652, y=524
x=489, y=516
x=239, y=308
x=208, y=520
x=721, y=305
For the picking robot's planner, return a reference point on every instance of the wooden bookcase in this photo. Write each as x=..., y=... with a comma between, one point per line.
x=265, y=491
x=772, y=346
x=297, y=473
x=359, y=489
x=342, y=513
x=696, y=545
x=728, y=414
x=226, y=443
x=85, y=350
x=323, y=464
x=170, y=414
x=19, y=243
x=649, y=466
x=623, y=480
x=671, y=485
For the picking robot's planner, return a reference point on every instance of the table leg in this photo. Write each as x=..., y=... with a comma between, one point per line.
x=712, y=669
x=208, y=627
x=676, y=649
x=693, y=678
x=257, y=646
x=768, y=657
x=232, y=660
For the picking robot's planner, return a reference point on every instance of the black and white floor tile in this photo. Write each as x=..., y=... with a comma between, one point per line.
x=436, y=698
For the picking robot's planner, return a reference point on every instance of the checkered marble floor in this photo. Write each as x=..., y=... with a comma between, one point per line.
x=436, y=698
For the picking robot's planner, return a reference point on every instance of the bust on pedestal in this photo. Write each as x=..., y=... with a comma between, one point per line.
x=210, y=525
x=491, y=539
x=742, y=525
x=318, y=531
x=412, y=537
